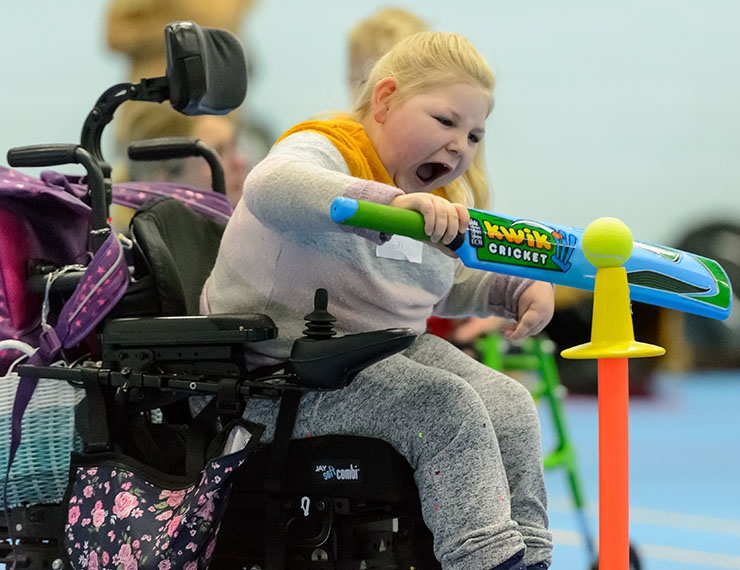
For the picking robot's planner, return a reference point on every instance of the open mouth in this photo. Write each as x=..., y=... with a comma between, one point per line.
x=431, y=171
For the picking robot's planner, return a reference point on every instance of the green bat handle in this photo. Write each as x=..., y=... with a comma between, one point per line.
x=382, y=218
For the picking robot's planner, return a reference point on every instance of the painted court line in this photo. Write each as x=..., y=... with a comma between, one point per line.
x=659, y=552
x=658, y=518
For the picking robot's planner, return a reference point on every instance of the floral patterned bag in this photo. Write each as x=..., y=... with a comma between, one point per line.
x=124, y=515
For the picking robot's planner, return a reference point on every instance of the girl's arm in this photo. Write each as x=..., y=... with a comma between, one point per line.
x=297, y=181
x=527, y=304
x=536, y=307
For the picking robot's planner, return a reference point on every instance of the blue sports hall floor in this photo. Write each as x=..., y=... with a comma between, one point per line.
x=684, y=474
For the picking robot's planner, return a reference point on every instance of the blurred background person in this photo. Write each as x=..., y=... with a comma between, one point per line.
x=162, y=121
x=135, y=28
x=373, y=36
x=156, y=121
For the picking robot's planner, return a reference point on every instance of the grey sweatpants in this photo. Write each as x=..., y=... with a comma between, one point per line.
x=471, y=434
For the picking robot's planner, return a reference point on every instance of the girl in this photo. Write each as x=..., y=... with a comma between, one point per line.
x=415, y=129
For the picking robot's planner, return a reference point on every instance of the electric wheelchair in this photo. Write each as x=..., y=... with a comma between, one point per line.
x=153, y=353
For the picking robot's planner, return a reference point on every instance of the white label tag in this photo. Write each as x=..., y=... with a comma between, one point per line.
x=402, y=248
x=236, y=440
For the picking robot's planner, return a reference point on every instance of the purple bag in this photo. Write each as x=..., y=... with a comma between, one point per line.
x=39, y=222
x=48, y=220
x=45, y=221
x=122, y=514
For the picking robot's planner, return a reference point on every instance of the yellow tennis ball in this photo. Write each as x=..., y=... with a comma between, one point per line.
x=607, y=242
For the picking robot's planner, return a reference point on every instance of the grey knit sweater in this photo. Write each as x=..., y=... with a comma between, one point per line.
x=281, y=245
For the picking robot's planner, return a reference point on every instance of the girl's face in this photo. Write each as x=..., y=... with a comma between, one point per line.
x=428, y=140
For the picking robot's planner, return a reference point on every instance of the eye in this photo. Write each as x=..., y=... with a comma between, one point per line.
x=474, y=138
x=444, y=121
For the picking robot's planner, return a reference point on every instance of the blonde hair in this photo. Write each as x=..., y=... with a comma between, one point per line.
x=372, y=37
x=429, y=60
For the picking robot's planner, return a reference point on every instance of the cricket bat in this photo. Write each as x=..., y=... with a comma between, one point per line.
x=657, y=275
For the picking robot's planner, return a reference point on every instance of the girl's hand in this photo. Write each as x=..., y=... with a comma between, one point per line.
x=536, y=308
x=443, y=220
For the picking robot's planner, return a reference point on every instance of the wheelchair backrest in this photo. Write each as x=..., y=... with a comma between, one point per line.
x=179, y=247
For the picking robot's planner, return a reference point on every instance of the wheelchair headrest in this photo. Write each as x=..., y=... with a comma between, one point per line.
x=206, y=69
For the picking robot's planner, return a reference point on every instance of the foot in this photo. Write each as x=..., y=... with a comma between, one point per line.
x=516, y=562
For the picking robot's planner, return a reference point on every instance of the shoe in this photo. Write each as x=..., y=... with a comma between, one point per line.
x=516, y=562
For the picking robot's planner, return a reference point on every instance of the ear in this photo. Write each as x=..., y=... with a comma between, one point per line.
x=381, y=98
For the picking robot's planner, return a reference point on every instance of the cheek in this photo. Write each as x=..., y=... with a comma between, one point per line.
x=394, y=147
x=235, y=165
x=406, y=150
x=415, y=144
x=468, y=159
x=407, y=143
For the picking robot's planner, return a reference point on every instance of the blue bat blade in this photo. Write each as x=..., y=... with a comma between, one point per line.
x=657, y=275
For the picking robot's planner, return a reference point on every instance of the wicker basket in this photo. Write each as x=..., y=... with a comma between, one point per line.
x=40, y=471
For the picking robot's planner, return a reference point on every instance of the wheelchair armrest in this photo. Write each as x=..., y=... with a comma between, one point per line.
x=211, y=345
x=334, y=362
x=190, y=330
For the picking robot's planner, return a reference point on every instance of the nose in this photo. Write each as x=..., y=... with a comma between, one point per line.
x=455, y=145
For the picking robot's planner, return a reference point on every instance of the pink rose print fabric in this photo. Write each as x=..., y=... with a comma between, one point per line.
x=124, y=515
